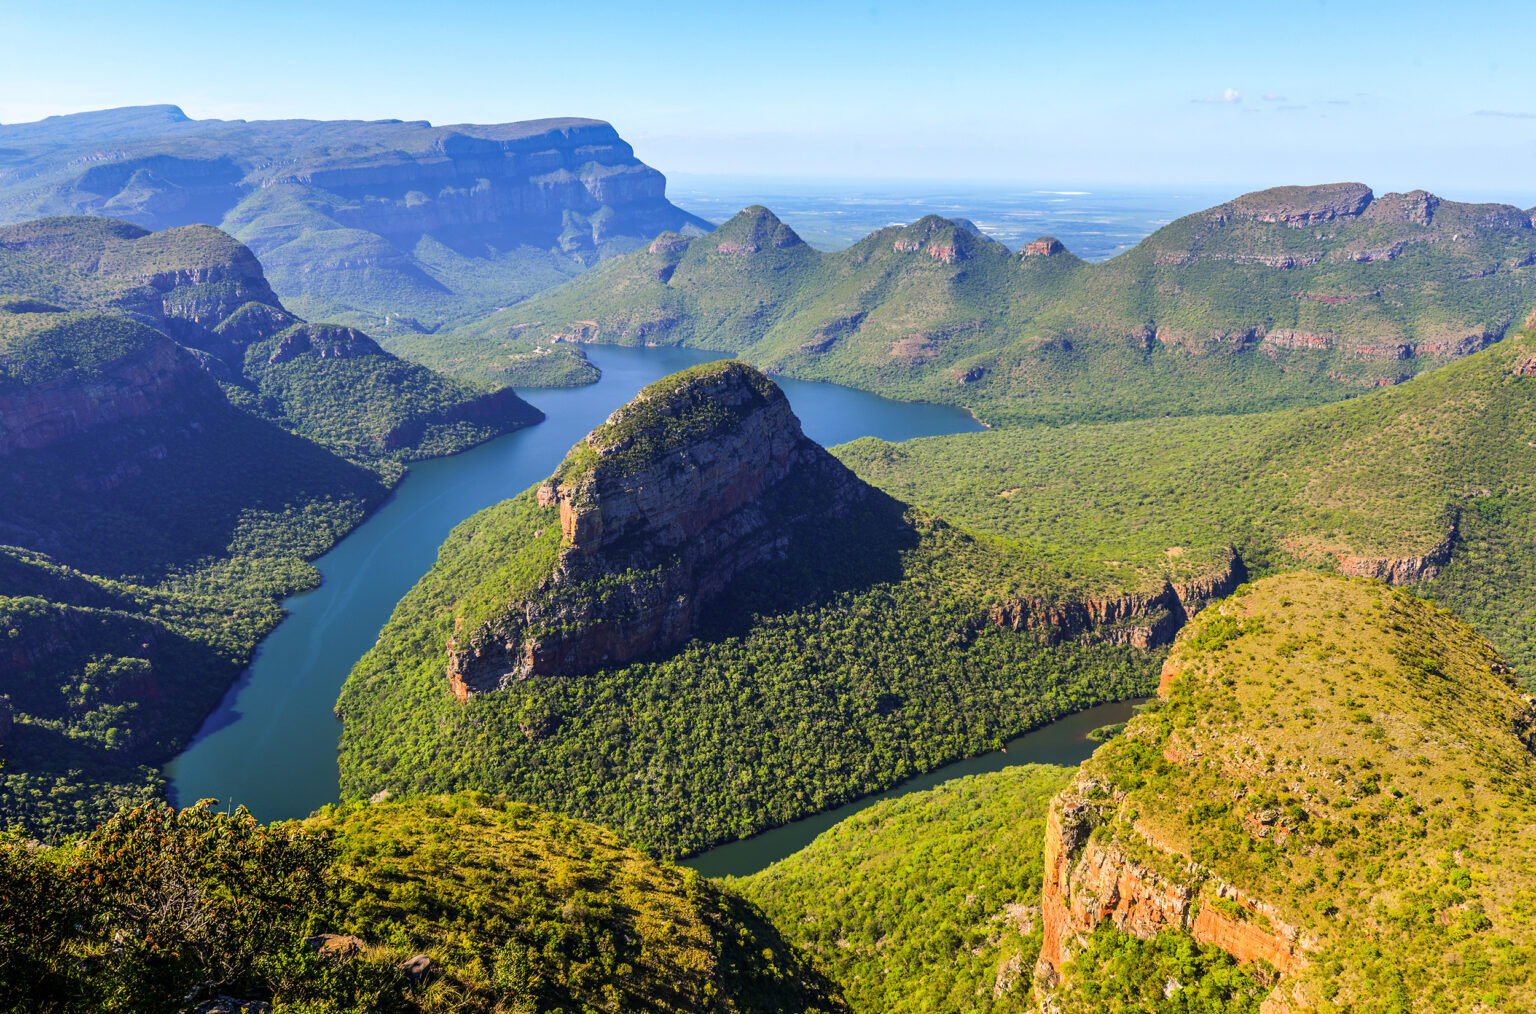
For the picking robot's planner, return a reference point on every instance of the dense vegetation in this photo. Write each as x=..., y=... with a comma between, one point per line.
x=336, y=387
x=1218, y=312
x=1370, y=777
x=1118, y=973
x=148, y=527
x=1437, y=467
x=513, y=908
x=498, y=356
x=927, y=902
x=394, y=227
x=162, y=572
x=863, y=658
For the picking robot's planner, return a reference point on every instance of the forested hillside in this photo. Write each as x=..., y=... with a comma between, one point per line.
x=1289, y=296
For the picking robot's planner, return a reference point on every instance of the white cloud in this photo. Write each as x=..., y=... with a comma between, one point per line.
x=1230, y=96
x=1506, y=115
x=1272, y=97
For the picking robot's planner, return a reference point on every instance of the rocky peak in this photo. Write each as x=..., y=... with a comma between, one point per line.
x=1045, y=246
x=755, y=229
x=700, y=477
x=323, y=341
x=1416, y=206
x=1298, y=206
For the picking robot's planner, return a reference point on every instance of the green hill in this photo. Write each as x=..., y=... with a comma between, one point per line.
x=1424, y=482
x=1284, y=297
x=508, y=907
x=701, y=627
x=1338, y=791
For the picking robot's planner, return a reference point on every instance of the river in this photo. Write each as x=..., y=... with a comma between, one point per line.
x=1063, y=742
x=271, y=744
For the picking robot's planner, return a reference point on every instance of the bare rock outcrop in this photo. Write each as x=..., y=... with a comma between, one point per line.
x=1146, y=619
x=699, y=478
x=1149, y=889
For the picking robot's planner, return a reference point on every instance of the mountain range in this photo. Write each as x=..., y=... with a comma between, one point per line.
x=389, y=225
x=1288, y=296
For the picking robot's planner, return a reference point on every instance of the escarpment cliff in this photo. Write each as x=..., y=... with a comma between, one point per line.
x=702, y=476
x=199, y=288
x=1298, y=798
x=144, y=374
x=384, y=222
x=1146, y=619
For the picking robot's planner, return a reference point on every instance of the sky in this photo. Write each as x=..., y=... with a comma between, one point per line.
x=1093, y=93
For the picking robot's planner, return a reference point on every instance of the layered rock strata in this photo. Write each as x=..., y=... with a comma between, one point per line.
x=701, y=477
x=1146, y=619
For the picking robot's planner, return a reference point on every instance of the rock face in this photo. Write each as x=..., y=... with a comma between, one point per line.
x=1088, y=882
x=496, y=182
x=156, y=377
x=1279, y=805
x=369, y=218
x=1300, y=206
x=1400, y=569
x=1145, y=620
x=703, y=475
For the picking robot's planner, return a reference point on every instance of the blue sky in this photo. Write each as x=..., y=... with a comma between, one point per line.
x=1397, y=95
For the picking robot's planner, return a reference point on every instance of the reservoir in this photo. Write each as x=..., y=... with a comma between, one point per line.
x=271, y=744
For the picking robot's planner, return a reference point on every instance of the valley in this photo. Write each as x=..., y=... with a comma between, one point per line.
x=462, y=580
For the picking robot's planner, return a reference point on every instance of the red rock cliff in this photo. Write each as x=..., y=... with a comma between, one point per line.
x=680, y=491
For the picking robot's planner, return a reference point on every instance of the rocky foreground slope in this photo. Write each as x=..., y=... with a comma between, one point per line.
x=1338, y=790
x=388, y=225
x=1281, y=297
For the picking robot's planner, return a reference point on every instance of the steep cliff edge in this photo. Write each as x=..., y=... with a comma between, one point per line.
x=1335, y=790
x=205, y=291
x=394, y=226
x=703, y=475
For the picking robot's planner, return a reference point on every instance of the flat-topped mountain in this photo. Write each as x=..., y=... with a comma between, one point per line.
x=1336, y=793
x=1282, y=297
x=390, y=225
x=700, y=477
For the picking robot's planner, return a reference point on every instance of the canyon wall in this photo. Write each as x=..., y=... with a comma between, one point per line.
x=697, y=480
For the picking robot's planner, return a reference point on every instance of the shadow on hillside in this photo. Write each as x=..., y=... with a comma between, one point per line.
x=154, y=496
x=826, y=556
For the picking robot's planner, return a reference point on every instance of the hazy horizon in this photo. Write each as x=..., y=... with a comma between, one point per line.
x=1399, y=96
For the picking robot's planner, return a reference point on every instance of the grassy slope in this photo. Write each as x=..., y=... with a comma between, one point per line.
x=1383, y=733
x=1391, y=474
x=517, y=910
x=530, y=908
x=927, y=902
x=1161, y=329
